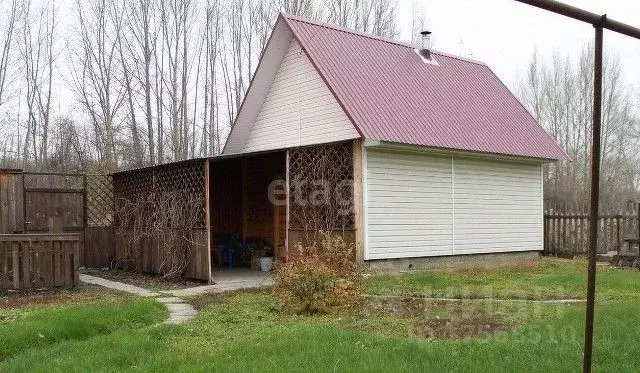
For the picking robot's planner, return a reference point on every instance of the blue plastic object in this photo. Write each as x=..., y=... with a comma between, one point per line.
x=228, y=249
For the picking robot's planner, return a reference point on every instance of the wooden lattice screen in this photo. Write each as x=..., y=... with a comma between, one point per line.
x=100, y=201
x=321, y=188
x=186, y=178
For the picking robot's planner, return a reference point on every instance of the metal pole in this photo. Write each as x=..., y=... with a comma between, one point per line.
x=584, y=16
x=600, y=23
x=595, y=194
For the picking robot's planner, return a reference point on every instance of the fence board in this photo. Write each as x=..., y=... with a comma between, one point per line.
x=39, y=260
x=566, y=228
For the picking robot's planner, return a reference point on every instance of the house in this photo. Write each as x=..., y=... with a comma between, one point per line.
x=409, y=154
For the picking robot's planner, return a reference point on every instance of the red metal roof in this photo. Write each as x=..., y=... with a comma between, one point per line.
x=390, y=94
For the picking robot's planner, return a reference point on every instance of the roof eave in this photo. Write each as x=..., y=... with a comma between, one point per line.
x=369, y=143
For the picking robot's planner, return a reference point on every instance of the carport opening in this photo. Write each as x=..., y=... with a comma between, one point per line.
x=247, y=201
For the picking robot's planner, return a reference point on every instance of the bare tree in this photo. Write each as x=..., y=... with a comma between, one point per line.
x=235, y=54
x=306, y=8
x=39, y=58
x=8, y=27
x=418, y=22
x=559, y=94
x=95, y=74
x=177, y=19
x=126, y=82
x=156, y=80
x=370, y=16
x=141, y=27
x=211, y=120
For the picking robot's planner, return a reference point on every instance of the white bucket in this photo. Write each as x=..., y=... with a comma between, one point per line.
x=266, y=262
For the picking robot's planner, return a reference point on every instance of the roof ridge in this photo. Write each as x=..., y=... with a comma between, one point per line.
x=346, y=30
x=373, y=37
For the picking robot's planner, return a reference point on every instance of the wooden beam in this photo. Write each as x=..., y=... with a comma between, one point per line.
x=286, y=178
x=39, y=237
x=207, y=217
x=276, y=228
x=358, y=200
x=54, y=190
x=85, y=219
x=245, y=204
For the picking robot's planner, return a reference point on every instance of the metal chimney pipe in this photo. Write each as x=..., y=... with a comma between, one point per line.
x=425, y=51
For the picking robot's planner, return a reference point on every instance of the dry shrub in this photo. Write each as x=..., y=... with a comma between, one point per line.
x=319, y=278
x=166, y=223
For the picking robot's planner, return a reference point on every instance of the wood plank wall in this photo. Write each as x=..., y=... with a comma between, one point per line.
x=11, y=202
x=262, y=170
x=225, y=198
x=149, y=258
x=100, y=247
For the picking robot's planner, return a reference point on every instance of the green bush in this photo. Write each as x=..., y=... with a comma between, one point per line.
x=319, y=279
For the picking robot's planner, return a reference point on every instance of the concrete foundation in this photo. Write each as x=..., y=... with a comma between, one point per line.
x=450, y=261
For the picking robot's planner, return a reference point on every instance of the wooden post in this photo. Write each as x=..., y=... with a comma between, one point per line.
x=245, y=207
x=85, y=219
x=25, y=223
x=618, y=241
x=638, y=221
x=16, y=265
x=207, y=216
x=76, y=262
x=545, y=240
x=26, y=268
x=287, y=182
x=276, y=230
x=358, y=200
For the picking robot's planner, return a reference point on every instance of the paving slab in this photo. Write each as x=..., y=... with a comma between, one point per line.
x=179, y=310
x=170, y=300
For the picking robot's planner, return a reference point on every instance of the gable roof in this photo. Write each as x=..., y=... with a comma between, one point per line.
x=390, y=94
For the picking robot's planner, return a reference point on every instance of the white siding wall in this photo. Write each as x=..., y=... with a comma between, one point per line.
x=427, y=205
x=498, y=207
x=299, y=109
x=409, y=203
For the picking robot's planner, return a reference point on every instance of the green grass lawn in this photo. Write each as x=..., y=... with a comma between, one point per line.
x=72, y=317
x=539, y=279
x=241, y=332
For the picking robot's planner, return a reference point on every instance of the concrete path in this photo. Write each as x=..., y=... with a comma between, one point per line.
x=218, y=288
x=228, y=280
x=179, y=310
x=117, y=286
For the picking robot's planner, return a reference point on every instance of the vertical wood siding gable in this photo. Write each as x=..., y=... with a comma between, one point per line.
x=299, y=109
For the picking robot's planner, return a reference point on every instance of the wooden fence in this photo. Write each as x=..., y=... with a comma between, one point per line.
x=83, y=204
x=566, y=228
x=39, y=260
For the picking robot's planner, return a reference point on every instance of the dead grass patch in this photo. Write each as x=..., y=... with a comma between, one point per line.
x=443, y=319
x=37, y=297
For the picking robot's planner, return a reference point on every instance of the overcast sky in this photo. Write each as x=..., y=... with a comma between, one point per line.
x=503, y=33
